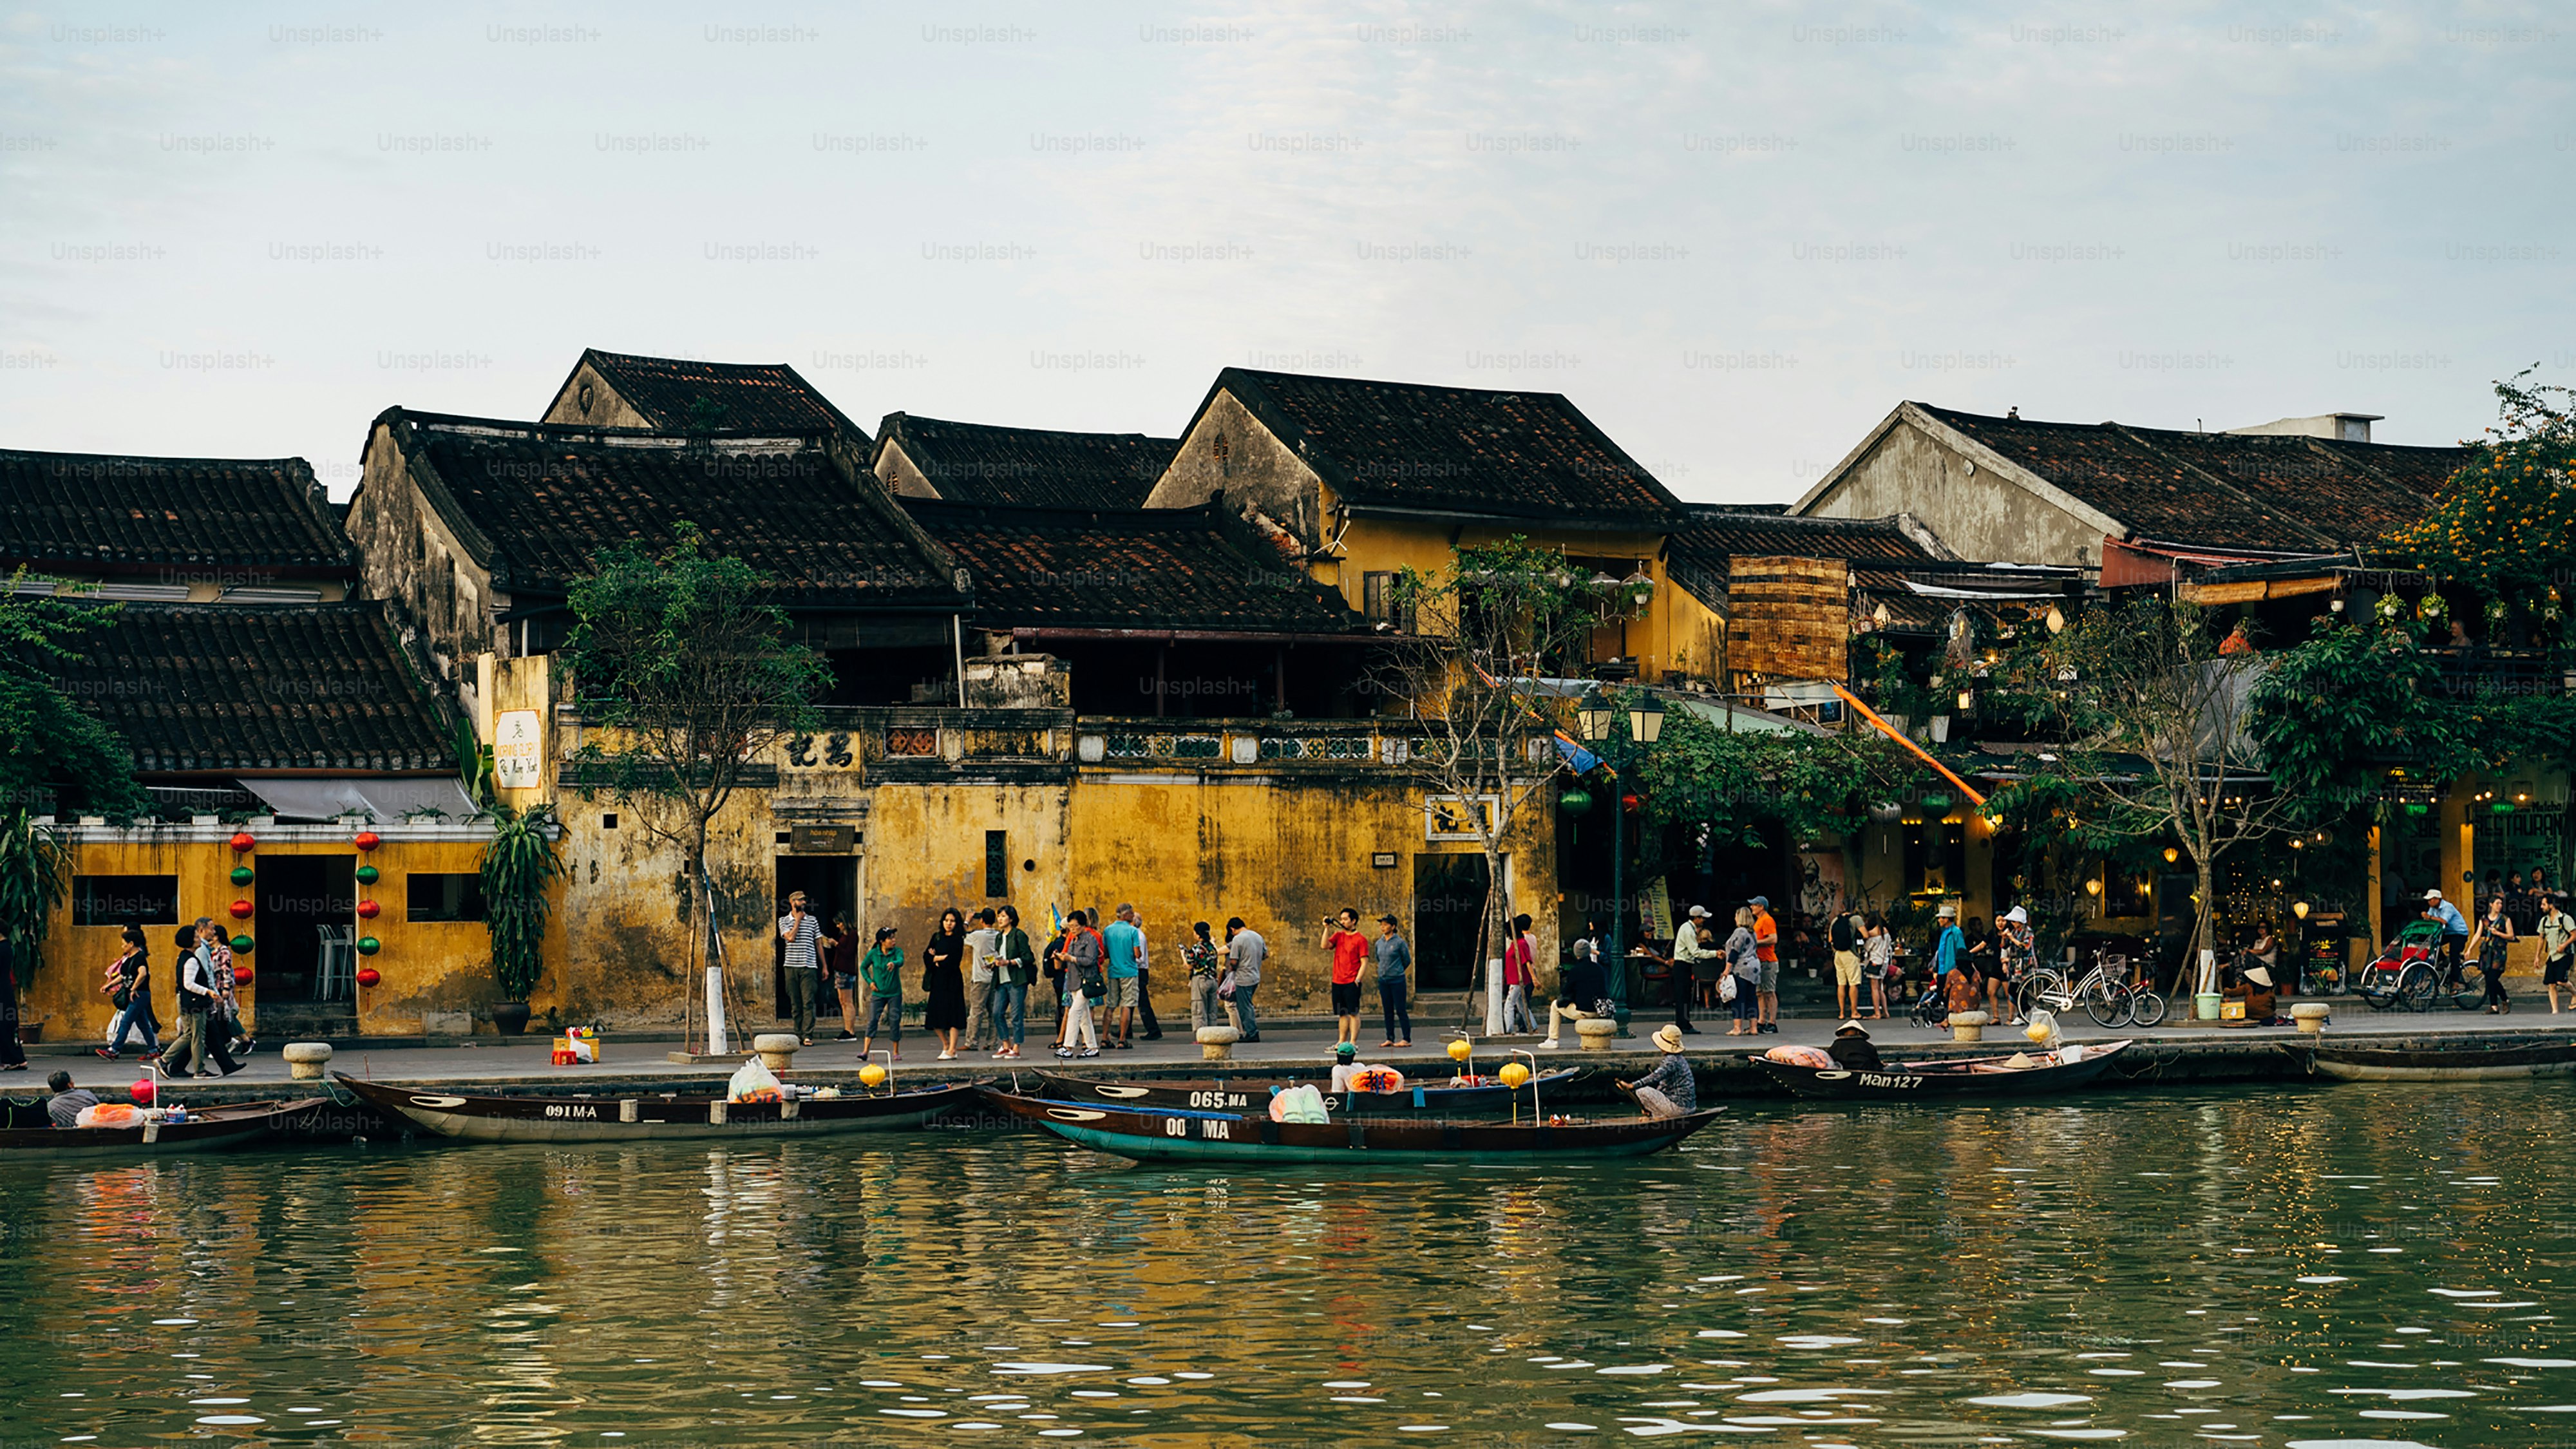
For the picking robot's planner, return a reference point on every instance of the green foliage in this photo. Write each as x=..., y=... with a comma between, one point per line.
x=1809, y=785
x=55, y=749
x=34, y=871
x=2505, y=523
x=2342, y=709
x=517, y=864
x=473, y=764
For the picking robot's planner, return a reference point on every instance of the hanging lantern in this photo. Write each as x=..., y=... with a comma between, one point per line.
x=242, y=842
x=1460, y=1049
x=1575, y=801
x=367, y=840
x=242, y=947
x=367, y=976
x=367, y=910
x=369, y=945
x=368, y=875
x=1936, y=802
x=1629, y=803
x=872, y=1075
x=241, y=875
x=241, y=974
x=240, y=909
x=141, y=1091
x=1514, y=1075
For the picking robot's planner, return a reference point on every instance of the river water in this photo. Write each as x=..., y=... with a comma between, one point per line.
x=2331, y=1266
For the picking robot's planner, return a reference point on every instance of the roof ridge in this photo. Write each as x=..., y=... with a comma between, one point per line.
x=2293, y=524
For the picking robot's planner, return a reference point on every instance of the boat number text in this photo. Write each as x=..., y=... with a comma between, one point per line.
x=1217, y=1131
x=1880, y=1079
x=1218, y=1099
x=571, y=1109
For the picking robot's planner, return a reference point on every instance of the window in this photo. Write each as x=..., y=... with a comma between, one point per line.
x=1378, y=602
x=117, y=900
x=997, y=863
x=442, y=897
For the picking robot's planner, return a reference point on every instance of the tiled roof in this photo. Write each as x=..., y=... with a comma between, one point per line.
x=100, y=511
x=984, y=463
x=2243, y=490
x=669, y=390
x=537, y=503
x=257, y=687
x=1452, y=449
x=1709, y=538
x=1129, y=568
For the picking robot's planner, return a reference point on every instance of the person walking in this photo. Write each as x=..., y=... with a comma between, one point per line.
x=881, y=973
x=2495, y=932
x=1520, y=960
x=2557, y=947
x=1690, y=947
x=982, y=975
x=1014, y=967
x=1245, y=951
x=1744, y=963
x=1766, y=944
x=800, y=935
x=841, y=958
x=943, y=982
x=186, y=1054
x=1394, y=964
x=1083, y=976
x=1124, y=943
x=129, y=986
x=1350, y=948
x=2016, y=952
x=1879, y=946
x=1671, y=1089
x=227, y=1020
x=1206, y=961
x=215, y=955
x=1845, y=936
x=1145, y=978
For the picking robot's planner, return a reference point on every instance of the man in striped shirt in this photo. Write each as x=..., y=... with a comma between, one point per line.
x=800, y=931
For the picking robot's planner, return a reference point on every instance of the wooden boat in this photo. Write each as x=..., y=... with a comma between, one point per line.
x=207, y=1129
x=653, y=1116
x=1475, y=1096
x=1171, y=1134
x=2442, y=1064
x=1965, y=1077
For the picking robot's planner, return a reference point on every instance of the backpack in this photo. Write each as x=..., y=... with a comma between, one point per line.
x=1844, y=937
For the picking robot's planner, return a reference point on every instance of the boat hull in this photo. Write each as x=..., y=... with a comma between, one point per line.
x=2379, y=1064
x=215, y=1129
x=1929, y=1081
x=1172, y=1135
x=1252, y=1095
x=656, y=1118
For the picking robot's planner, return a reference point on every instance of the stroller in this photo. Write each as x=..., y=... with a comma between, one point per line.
x=2411, y=970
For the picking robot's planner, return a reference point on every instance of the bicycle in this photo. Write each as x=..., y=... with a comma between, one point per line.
x=2104, y=992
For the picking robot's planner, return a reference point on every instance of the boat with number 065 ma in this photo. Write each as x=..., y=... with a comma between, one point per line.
x=657, y=1116
x=1172, y=1134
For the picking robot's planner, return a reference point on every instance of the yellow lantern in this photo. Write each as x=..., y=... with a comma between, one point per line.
x=872, y=1075
x=1514, y=1075
x=1459, y=1050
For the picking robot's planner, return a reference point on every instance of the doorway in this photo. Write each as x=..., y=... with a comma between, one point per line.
x=299, y=894
x=1448, y=914
x=831, y=887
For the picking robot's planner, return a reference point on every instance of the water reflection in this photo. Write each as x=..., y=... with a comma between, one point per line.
x=2271, y=1268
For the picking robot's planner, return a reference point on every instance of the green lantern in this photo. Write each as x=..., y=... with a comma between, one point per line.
x=367, y=875
x=241, y=945
x=369, y=945
x=1574, y=802
x=1936, y=802
x=241, y=875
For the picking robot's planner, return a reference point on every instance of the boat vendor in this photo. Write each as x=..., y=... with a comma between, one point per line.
x=1345, y=1062
x=1670, y=1090
x=1852, y=1050
x=64, y=1107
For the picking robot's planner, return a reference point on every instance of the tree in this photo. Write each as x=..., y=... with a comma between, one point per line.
x=2505, y=522
x=517, y=864
x=1483, y=663
x=2156, y=719
x=56, y=752
x=684, y=659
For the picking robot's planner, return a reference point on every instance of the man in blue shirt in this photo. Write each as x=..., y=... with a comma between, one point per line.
x=1952, y=945
x=2455, y=929
x=1126, y=946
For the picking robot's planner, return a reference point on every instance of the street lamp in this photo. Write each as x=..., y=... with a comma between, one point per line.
x=1597, y=718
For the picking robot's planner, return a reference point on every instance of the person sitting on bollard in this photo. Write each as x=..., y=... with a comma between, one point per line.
x=1582, y=993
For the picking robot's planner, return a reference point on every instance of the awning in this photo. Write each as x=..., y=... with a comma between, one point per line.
x=376, y=798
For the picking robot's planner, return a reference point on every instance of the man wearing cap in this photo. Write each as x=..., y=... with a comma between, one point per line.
x=2455, y=930
x=1766, y=944
x=1690, y=947
x=1670, y=1090
x=1394, y=959
x=1853, y=1051
x=1346, y=1060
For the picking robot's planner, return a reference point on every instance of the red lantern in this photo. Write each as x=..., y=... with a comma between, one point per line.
x=367, y=976
x=1629, y=803
x=241, y=976
x=240, y=909
x=368, y=909
x=141, y=1092
x=242, y=841
x=368, y=840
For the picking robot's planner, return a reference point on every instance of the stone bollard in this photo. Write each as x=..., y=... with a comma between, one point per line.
x=1969, y=1025
x=1597, y=1033
x=777, y=1049
x=306, y=1061
x=2310, y=1016
x=1216, y=1043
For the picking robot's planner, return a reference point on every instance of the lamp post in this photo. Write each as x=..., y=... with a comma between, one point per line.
x=1598, y=717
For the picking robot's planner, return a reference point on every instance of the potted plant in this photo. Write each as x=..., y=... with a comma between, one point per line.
x=517, y=864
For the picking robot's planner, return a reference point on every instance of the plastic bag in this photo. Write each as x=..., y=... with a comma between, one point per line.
x=1726, y=988
x=1378, y=1080
x=1300, y=1103
x=1801, y=1056
x=582, y=1042
x=752, y=1082
x=108, y=1114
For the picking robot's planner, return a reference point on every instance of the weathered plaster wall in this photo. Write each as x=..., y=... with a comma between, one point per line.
x=1980, y=515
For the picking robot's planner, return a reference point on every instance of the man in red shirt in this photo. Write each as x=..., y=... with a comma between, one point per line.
x=1350, y=948
x=1766, y=945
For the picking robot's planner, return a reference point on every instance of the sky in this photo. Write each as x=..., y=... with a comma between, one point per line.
x=1736, y=235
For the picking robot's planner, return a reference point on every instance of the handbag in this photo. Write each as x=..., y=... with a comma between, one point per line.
x=1093, y=983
